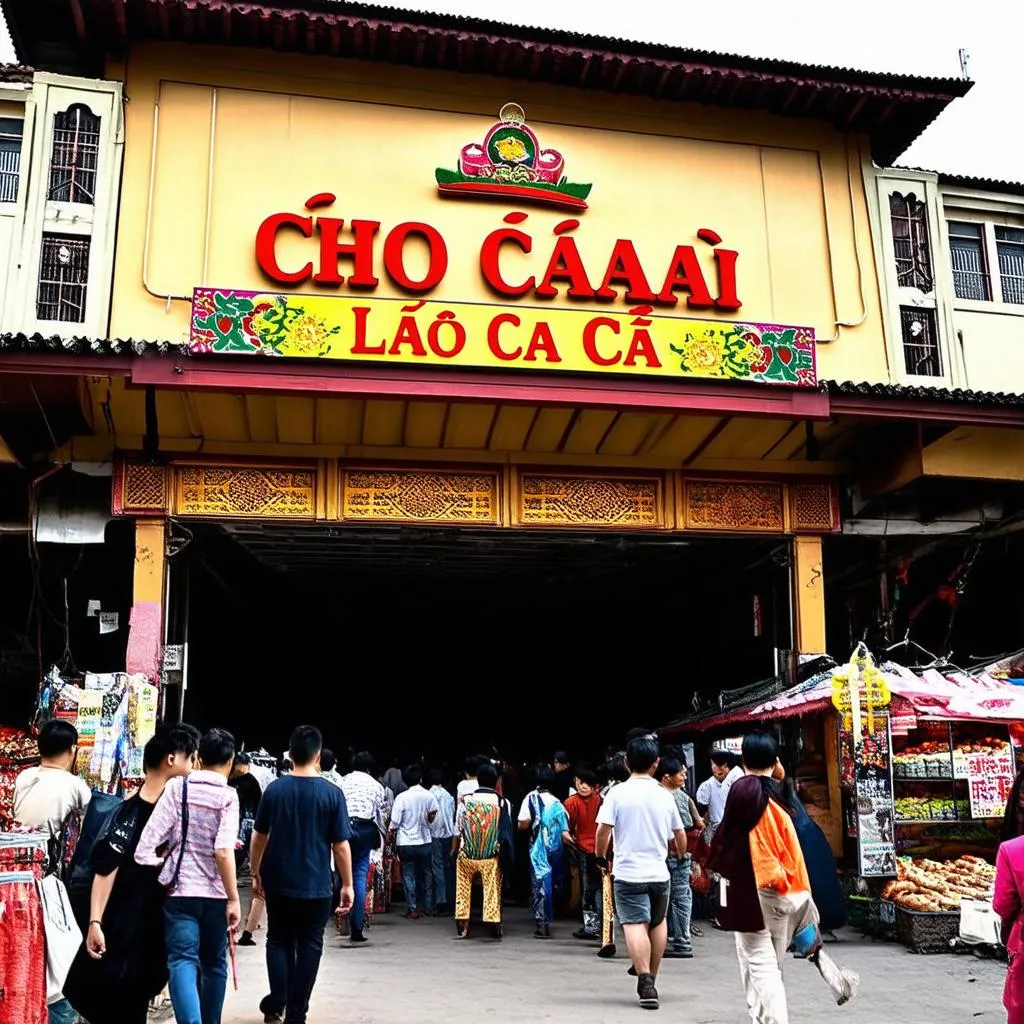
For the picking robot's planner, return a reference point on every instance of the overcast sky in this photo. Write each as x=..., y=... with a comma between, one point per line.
x=980, y=135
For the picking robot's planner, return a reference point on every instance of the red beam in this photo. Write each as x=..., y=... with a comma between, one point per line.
x=64, y=363
x=273, y=375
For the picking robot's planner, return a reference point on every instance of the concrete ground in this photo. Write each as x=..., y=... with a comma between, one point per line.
x=413, y=972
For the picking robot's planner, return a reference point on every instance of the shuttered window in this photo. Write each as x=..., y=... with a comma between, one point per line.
x=1010, y=253
x=967, y=256
x=11, y=129
x=63, y=278
x=75, y=156
x=921, y=355
x=910, y=239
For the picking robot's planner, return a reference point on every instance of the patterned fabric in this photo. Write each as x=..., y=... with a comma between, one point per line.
x=481, y=827
x=466, y=869
x=366, y=798
x=213, y=825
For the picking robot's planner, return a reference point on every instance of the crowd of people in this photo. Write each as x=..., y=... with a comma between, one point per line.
x=159, y=902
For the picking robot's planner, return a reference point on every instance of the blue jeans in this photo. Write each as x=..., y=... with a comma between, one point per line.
x=61, y=1013
x=680, y=903
x=443, y=871
x=196, y=930
x=363, y=835
x=417, y=876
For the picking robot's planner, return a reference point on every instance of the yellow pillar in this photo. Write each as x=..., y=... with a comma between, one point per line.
x=145, y=635
x=809, y=596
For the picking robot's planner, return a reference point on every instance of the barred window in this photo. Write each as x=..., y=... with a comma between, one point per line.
x=11, y=129
x=910, y=239
x=63, y=277
x=73, y=162
x=1010, y=252
x=921, y=354
x=967, y=256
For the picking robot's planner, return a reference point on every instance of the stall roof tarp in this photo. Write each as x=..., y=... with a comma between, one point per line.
x=932, y=694
x=950, y=695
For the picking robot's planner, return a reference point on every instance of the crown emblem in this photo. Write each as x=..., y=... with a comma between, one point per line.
x=510, y=163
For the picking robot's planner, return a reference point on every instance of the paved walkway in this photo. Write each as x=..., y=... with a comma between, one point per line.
x=414, y=973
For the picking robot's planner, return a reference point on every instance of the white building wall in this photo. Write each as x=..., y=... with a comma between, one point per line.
x=981, y=342
x=24, y=224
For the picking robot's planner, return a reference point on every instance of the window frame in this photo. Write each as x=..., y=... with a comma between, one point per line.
x=988, y=220
x=73, y=174
x=930, y=315
x=921, y=262
x=1019, y=246
x=986, y=263
x=15, y=174
x=83, y=242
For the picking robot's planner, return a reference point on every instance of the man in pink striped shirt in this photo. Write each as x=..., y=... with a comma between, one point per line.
x=196, y=819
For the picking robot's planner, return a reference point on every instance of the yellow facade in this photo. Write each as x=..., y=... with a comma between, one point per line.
x=219, y=139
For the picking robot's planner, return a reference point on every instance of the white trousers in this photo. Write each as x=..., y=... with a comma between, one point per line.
x=761, y=954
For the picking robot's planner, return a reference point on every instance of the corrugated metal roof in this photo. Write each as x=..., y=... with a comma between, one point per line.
x=903, y=392
x=892, y=109
x=977, y=184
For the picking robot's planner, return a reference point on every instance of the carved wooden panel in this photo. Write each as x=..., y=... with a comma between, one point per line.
x=733, y=507
x=242, y=492
x=140, y=489
x=420, y=496
x=813, y=507
x=547, y=499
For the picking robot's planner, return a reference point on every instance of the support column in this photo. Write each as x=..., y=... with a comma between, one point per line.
x=808, y=596
x=145, y=636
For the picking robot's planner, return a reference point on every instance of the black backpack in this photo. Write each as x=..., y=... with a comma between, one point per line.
x=95, y=826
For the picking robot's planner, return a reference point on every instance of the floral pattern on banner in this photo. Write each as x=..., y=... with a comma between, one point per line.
x=273, y=325
x=756, y=352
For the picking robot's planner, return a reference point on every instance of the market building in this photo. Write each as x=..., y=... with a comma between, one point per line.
x=446, y=357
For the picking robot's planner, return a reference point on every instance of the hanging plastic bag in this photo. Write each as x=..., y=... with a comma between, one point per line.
x=63, y=936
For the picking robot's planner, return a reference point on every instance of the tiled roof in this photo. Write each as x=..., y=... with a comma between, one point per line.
x=892, y=109
x=39, y=343
x=976, y=184
x=903, y=392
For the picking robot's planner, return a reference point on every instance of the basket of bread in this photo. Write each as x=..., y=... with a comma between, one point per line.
x=927, y=897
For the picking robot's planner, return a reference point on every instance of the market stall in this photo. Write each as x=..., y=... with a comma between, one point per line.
x=915, y=768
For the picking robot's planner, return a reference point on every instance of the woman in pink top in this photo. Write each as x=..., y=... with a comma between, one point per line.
x=1008, y=904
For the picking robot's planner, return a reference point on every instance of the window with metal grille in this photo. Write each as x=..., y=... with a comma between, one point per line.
x=73, y=162
x=967, y=257
x=1010, y=253
x=910, y=239
x=11, y=129
x=920, y=342
x=63, y=277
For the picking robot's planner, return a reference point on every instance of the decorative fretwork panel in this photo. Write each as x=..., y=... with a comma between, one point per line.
x=733, y=507
x=140, y=489
x=812, y=507
x=420, y=496
x=568, y=500
x=245, y=493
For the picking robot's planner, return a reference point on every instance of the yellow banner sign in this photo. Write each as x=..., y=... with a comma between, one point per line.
x=226, y=321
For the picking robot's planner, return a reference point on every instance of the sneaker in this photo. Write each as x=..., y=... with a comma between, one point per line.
x=356, y=937
x=271, y=1015
x=583, y=934
x=646, y=992
x=607, y=952
x=678, y=954
x=631, y=971
x=412, y=915
x=246, y=939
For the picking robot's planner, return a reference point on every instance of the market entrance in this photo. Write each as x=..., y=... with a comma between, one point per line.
x=439, y=641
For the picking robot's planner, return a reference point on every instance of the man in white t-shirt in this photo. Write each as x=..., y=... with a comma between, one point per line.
x=641, y=818
x=45, y=796
x=411, y=819
x=713, y=792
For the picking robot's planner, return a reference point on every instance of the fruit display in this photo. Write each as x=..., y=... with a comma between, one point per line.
x=927, y=760
x=928, y=886
x=930, y=808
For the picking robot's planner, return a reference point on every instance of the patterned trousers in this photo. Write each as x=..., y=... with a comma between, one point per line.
x=490, y=877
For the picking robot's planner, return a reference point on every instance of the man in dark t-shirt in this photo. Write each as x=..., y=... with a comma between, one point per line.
x=301, y=824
